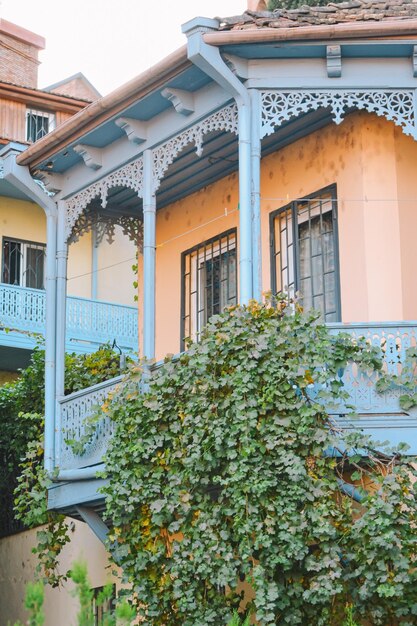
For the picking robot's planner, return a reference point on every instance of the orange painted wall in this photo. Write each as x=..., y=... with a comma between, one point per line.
x=180, y=226
x=360, y=157
x=371, y=162
x=406, y=159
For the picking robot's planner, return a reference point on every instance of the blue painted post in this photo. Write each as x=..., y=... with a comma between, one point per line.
x=21, y=179
x=94, y=263
x=149, y=257
x=61, y=297
x=256, y=192
x=50, y=370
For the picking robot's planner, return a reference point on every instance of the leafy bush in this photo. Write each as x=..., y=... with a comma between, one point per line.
x=122, y=616
x=21, y=447
x=228, y=470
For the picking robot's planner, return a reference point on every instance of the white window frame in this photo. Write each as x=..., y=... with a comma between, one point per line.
x=25, y=246
x=40, y=114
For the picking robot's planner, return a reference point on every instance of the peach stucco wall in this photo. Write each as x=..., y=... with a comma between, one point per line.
x=371, y=162
x=18, y=568
x=405, y=154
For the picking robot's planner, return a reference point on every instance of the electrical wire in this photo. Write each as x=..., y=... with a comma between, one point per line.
x=226, y=213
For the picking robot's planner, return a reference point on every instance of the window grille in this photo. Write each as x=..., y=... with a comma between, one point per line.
x=23, y=263
x=101, y=610
x=209, y=282
x=38, y=124
x=304, y=252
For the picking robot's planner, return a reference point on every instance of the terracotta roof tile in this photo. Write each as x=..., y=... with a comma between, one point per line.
x=332, y=13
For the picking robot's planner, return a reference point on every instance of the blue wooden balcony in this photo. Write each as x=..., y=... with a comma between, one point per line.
x=378, y=413
x=89, y=324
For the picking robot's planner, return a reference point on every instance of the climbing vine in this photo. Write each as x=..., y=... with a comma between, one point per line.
x=227, y=483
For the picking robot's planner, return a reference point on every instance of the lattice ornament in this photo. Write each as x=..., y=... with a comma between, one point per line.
x=226, y=119
x=105, y=226
x=130, y=175
x=395, y=105
x=73, y=415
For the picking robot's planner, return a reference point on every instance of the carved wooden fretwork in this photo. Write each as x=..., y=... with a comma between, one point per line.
x=395, y=105
x=226, y=119
x=130, y=175
x=105, y=227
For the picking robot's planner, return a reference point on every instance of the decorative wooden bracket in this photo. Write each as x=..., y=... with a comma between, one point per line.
x=135, y=130
x=183, y=101
x=91, y=156
x=334, y=61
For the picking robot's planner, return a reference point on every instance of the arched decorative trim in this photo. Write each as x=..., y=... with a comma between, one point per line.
x=105, y=225
x=226, y=119
x=395, y=105
x=130, y=175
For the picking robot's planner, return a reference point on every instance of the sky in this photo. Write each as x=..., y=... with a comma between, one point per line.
x=109, y=41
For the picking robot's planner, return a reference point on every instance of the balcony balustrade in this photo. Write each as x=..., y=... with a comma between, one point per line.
x=379, y=414
x=89, y=322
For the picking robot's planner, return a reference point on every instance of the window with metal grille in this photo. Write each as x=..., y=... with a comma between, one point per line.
x=209, y=282
x=304, y=252
x=102, y=608
x=23, y=263
x=38, y=124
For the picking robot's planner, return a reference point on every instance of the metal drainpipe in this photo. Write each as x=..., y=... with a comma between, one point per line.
x=208, y=59
x=50, y=338
x=61, y=297
x=20, y=177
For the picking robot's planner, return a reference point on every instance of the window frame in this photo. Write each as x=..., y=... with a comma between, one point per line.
x=100, y=611
x=26, y=244
x=329, y=190
x=216, y=239
x=49, y=115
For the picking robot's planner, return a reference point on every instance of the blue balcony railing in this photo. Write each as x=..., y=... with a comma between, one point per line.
x=89, y=322
x=379, y=414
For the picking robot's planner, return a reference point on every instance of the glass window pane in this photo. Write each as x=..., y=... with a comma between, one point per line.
x=34, y=271
x=308, y=267
x=23, y=263
x=209, y=282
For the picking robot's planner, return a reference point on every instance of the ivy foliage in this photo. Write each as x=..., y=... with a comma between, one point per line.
x=224, y=484
x=274, y=5
x=23, y=481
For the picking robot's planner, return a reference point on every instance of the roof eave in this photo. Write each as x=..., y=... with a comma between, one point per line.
x=377, y=29
x=103, y=109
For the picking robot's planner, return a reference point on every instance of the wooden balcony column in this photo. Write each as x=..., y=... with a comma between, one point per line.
x=149, y=256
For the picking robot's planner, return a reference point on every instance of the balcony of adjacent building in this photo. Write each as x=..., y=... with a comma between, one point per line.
x=90, y=323
x=101, y=306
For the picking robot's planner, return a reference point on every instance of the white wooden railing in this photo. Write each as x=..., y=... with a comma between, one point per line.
x=89, y=322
